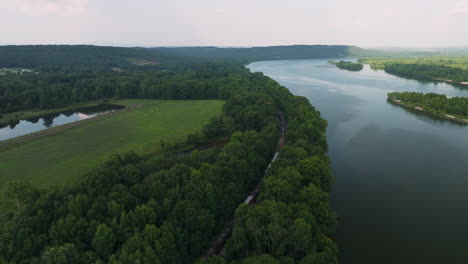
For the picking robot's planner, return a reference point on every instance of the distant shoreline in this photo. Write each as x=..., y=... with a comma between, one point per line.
x=420, y=109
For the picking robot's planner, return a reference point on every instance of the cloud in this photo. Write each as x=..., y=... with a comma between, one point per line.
x=49, y=7
x=460, y=8
x=396, y=12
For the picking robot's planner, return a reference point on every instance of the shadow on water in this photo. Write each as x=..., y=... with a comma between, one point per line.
x=426, y=117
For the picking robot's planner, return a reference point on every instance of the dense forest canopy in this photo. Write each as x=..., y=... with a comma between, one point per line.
x=434, y=103
x=428, y=72
x=452, y=69
x=45, y=91
x=273, y=52
x=349, y=65
x=168, y=208
x=85, y=58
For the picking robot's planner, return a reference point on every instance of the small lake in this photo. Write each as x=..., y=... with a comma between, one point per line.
x=28, y=126
x=401, y=179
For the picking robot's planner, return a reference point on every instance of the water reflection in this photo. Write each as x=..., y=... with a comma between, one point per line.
x=400, y=176
x=35, y=124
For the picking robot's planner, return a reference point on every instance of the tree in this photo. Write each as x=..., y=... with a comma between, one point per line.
x=104, y=241
x=64, y=254
x=300, y=237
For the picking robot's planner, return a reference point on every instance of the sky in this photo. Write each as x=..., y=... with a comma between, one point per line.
x=365, y=23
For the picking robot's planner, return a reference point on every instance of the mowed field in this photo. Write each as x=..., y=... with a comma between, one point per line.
x=61, y=158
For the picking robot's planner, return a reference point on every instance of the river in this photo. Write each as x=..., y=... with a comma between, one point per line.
x=401, y=179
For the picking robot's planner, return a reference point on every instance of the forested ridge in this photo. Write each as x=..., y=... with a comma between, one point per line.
x=46, y=91
x=453, y=69
x=99, y=59
x=167, y=208
x=67, y=58
x=428, y=72
x=272, y=52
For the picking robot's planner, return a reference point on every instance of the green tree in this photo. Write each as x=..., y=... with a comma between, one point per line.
x=104, y=241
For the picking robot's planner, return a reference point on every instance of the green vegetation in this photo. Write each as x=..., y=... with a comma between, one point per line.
x=292, y=220
x=455, y=108
x=97, y=59
x=348, y=65
x=49, y=91
x=61, y=158
x=272, y=52
x=76, y=58
x=449, y=69
x=141, y=62
x=449, y=61
x=156, y=208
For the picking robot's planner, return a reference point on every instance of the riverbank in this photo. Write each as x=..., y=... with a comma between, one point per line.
x=422, y=110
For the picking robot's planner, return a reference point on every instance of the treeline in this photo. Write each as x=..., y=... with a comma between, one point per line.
x=434, y=103
x=292, y=220
x=45, y=91
x=349, y=65
x=272, y=52
x=167, y=209
x=93, y=59
x=427, y=72
x=83, y=58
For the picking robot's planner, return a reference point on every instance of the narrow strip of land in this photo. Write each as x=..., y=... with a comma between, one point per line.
x=218, y=246
x=422, y=110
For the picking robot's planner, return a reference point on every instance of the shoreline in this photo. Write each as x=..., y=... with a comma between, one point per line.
x=13, y=142
x=35, y=113
x=421, y=110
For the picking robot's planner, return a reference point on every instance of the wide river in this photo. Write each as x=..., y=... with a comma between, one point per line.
x=401, y=179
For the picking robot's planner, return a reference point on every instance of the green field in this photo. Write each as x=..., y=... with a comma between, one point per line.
x=61, y=158
x=450, y=61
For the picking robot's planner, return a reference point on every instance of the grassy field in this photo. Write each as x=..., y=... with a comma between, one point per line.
x=61, y=158
x=450, y=61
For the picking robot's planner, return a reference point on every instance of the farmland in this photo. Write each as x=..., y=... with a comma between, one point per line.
x=60, y=158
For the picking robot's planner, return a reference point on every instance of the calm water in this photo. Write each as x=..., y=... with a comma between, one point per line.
x=401, y=179
x=24, y=127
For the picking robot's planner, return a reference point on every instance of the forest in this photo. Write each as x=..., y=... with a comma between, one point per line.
x=272, y=52
x=47, y=91
x=434, y=103
x=349, y=65
x=452, y=69
x=428, y=72
x=101, y=59
x=168, y=208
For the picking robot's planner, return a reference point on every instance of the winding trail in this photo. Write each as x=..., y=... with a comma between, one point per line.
x=217, y=248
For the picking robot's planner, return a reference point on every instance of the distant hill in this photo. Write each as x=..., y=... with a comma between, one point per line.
x=271, y=53
x=73, y=58
x=87, y=58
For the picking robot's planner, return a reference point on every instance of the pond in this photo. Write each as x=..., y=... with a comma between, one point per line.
x=28, y=126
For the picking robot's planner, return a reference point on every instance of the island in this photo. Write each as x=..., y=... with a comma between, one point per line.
x=348, y=65
x=453, y=109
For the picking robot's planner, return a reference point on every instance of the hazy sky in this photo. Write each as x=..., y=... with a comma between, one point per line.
x=235, y=22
